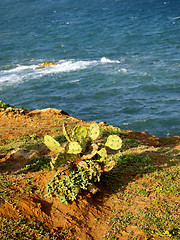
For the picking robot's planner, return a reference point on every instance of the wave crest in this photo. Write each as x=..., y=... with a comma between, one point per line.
x=21, y=72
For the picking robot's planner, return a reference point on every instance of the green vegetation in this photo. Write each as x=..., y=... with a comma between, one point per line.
x=36, y=164
x=109, y=130
x=130, y=143
x=66, y=187
x=24, y=229
x=5, y=105
x=89, y=158
x=159, y=217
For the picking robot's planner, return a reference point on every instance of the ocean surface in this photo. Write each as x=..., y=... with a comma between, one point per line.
x=117, y=60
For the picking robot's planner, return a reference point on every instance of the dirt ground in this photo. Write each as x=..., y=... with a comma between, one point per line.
x=87, y=217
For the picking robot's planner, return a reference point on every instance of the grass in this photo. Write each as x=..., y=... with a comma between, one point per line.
x=149, y=202
x=35, y=165
x=105, y=131
x=27, y=142
x=161, y=219
x=130, y=143
x=166, y=141
x=158, y=216
x=23, y=229
x=10, y=187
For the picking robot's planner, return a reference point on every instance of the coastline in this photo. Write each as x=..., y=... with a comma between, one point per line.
x=144, y=183
x=11, y=116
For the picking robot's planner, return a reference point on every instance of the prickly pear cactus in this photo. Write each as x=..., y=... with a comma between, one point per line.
x=103, y=154
x=53, y=145
x=79, y=133
x=94, y=131
x=74, y=148
x=114, y=142
x=90, y=157
x=65, y=133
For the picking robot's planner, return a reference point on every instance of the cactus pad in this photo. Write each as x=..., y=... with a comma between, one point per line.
x=79, y=132
x=93, y=131
x=74, y=148
x=114, y=142
x=65, y=133
x=52, y=144
x=103, y=154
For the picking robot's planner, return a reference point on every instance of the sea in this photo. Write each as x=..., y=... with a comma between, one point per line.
x=117, y=61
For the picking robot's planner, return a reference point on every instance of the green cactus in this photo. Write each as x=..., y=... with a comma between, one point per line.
x=103, y=154
x=114, y=142
x=90, y=158
x=65, y=133
x=53, y=145
x=79, y=133
x=83, y=144
x=93, y=132
x=74, y=148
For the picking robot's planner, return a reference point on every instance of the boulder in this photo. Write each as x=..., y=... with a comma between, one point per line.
x=46, y=64
x=20, y=154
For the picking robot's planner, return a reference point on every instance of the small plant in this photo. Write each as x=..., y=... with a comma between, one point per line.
x=66, y=187
x=86, y=158
x=5, y=105
x=131, y=143
x=36, y=164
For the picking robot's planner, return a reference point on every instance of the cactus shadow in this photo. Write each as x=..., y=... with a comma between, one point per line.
x=129, y=168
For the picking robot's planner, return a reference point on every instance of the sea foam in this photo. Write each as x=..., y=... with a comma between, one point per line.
x=107, y=60
x=23, y=72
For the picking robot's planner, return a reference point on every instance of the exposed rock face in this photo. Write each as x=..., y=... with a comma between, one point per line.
x=46, y=64
x=13, y=111
x=47, y=111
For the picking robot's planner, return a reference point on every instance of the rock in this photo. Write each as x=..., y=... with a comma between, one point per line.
x=20, y=154
x=46, y=64
x=48, y=111
x=11, y=110
x=103, y=124
x=54, y=110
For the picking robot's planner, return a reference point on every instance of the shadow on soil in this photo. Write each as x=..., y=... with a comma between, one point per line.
x=132, y=167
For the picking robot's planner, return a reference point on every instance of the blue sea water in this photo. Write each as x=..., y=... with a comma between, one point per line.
x=117, y=60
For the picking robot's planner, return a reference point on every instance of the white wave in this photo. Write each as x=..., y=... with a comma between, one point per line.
x=107, y=60
x=124, y=70
x=175, y=18
x=74, y=81
x=10, y=78
x=24, y=72
x=16, y=74
x=67, y=66
x=21, y=68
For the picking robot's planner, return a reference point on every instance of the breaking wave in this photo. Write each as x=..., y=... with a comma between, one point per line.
x=22, y=72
